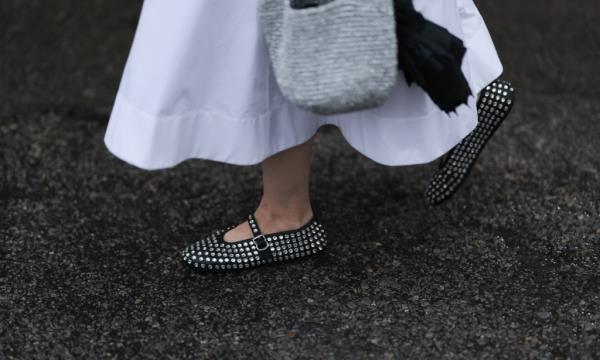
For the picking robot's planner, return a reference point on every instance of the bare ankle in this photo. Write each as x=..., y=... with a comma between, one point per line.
x=293, y=215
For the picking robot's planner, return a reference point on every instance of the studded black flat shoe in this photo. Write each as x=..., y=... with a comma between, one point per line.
x=214, y=253
x=493, y=106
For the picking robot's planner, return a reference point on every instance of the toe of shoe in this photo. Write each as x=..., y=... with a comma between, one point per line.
x=211, y=253
x=199, y=259
x=201, y=253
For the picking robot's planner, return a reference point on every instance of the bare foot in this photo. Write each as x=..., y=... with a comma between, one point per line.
x=269, y=223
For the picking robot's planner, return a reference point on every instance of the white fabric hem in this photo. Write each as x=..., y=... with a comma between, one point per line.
x=134, y=137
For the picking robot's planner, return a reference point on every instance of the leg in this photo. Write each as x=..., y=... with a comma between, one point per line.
x=285, y=202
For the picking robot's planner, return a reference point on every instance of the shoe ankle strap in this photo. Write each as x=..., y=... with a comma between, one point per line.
x=254, y=225
x=260, y=241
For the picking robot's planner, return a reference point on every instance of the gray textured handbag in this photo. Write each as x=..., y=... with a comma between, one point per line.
x=334, y=57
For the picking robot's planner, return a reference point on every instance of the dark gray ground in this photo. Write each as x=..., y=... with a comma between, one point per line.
x=89, y=264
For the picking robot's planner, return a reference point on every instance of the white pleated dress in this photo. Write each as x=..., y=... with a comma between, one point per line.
x=198, y=83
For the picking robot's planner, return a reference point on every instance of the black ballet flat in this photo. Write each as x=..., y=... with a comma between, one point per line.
x=493, y=106
x=214, y=253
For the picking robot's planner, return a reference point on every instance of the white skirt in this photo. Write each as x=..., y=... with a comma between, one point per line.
x=199, y=84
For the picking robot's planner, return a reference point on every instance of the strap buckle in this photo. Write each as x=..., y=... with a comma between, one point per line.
x=264, y=239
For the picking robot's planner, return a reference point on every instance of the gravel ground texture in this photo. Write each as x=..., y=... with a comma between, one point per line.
x=89, y=246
